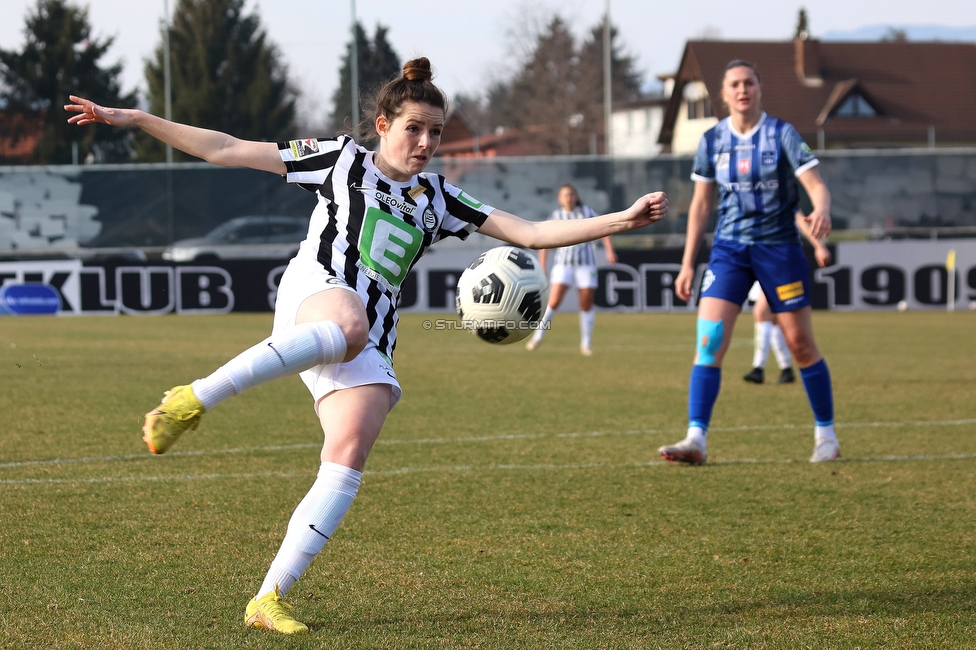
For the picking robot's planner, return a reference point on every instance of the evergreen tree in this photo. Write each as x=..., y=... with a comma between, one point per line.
x=60, y=58
x=557, y=97
x=625, y=81
x=802, y=30
x=377, y=63
x=225, y=75
x=542, y=99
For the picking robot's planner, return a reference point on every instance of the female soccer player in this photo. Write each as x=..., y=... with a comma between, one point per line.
x=766, y=331
x=756, y=160
x=335, y=316
x=572, y=264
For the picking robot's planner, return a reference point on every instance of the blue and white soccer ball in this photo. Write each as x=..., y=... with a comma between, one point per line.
x=501, y=295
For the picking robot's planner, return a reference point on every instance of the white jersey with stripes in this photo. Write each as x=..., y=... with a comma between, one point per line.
x=578, y=254
x=368, y=230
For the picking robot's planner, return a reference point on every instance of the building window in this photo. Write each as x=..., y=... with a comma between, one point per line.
x=699, y=109
x=854, y=105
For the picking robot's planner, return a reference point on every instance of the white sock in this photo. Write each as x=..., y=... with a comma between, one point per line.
x=823, y=434
x=587, y=318
x=760, y=343
x=698, y=434
x=780, y=349
x=280, y=355
x=544, y=323
x=312, y=524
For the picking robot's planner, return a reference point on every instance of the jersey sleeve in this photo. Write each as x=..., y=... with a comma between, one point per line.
x=798, y=153
x=703, y=169
x=464, y=214
x=588, y=212
x=310, y=161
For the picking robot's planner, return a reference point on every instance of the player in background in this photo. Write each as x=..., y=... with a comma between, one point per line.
x=756, y=161
x=572, y=265
x=766, y=331
x=335, y=314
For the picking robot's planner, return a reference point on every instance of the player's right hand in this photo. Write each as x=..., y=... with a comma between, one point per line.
x=682, y=285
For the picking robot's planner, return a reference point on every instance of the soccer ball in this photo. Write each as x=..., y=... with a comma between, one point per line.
x=500, y=296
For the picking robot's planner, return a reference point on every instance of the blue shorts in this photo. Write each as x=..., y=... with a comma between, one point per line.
x=781, y=269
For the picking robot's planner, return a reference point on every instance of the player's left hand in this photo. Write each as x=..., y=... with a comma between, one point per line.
x=648, y=209
x=88, y=112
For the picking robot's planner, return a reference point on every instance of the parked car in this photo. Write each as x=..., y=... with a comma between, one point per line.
x=243, y=238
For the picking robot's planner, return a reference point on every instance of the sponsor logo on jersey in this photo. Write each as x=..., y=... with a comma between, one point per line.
x=744, y=146
x=805, y=148
x=752, y=187
x=722, y=160
x=393, y=201
x=303, y=148
x=792, y=290
x=744, y=166
x=430, y=219
x=768, y=158
x=387, y=248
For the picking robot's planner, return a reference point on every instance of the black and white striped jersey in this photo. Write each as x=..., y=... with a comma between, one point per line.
x=368, y=230
x=579, y=254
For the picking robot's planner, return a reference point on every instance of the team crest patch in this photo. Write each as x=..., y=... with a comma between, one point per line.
x=791, y=290
x=707, y=280
x=745, y=166
x=430, y=219
x=303, y=148
x=768, y=158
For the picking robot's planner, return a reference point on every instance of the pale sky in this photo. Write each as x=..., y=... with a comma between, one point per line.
x=469, y=41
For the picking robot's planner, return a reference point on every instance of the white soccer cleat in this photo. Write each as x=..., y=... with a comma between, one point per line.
x=533, y=343
x=825, y=451
x=687, y=451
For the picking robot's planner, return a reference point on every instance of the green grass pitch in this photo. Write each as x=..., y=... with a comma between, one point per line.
x=514, y=500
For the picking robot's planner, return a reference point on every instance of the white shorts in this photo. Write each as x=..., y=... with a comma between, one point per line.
x=302, y=280
x=583, y=277
x=754, y=292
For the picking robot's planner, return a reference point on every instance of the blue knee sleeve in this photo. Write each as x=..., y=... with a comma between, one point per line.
x=710, y=335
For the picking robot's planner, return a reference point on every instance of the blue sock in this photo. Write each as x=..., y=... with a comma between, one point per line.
x=702, y=393
x=816, y=379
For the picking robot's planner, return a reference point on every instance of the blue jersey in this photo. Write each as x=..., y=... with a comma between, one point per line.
x=756, y=175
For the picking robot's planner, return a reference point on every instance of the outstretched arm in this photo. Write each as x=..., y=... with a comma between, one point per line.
x=213, y=146
x=554, y=234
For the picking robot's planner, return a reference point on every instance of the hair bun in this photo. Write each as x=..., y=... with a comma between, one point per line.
x=418, y=70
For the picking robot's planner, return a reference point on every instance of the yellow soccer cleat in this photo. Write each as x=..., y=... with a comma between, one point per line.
x=271, y=612
x=179, y=411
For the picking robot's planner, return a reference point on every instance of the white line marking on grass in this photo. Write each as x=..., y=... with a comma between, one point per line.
x=465, y=468
x=148, y=456
x=474, y=439
x=149, y=479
